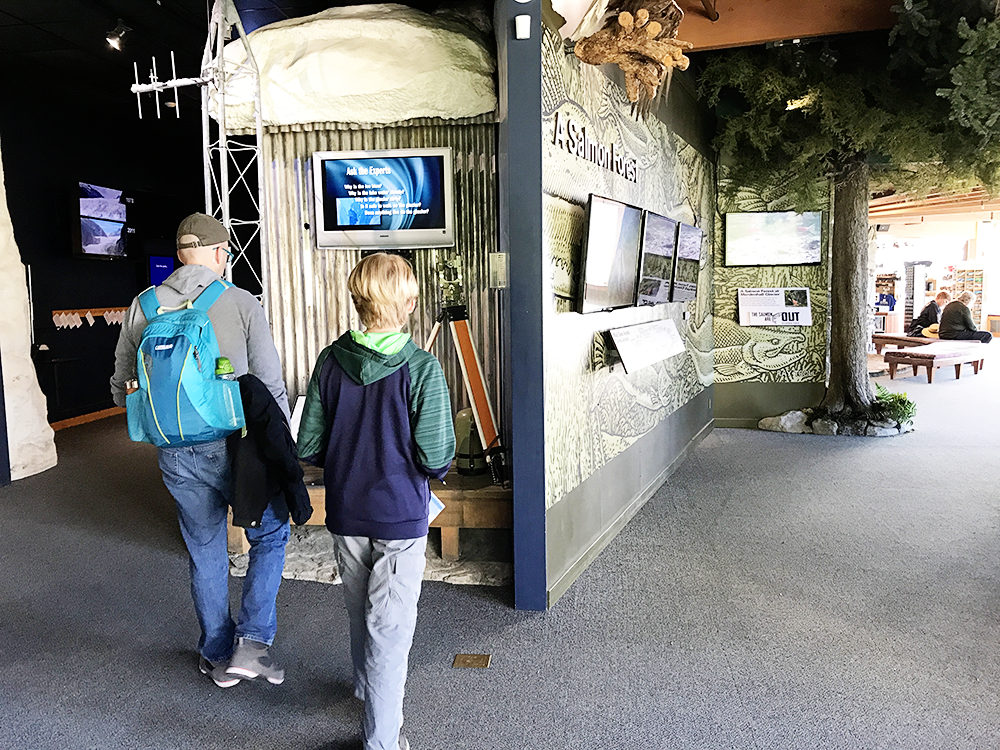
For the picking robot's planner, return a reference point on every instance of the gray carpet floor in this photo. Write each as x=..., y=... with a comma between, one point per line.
x=779, y=591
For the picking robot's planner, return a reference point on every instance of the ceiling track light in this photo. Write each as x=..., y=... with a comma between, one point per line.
x=116, y=35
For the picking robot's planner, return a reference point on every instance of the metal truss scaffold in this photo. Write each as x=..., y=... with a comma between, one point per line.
x=230, y=162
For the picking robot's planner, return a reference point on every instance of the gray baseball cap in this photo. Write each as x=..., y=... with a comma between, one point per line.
x=200, y=230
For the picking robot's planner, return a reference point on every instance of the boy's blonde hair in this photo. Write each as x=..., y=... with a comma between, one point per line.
x=383, y=287
x=943, y=296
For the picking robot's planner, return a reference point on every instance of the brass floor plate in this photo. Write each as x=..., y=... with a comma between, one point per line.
x=482, y=661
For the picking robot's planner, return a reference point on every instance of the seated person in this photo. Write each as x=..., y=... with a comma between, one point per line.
x=929, y=315
x=956, y=321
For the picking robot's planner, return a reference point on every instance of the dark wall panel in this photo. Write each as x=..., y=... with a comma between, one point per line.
x=47, y=148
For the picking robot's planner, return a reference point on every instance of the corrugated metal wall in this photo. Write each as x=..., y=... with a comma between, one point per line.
x=309, y=305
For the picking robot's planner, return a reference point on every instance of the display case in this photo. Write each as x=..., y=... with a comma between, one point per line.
x=973, y=279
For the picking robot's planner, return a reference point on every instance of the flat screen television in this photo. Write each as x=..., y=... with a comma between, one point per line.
x=160, y=267
x=401, y=198
x=610, y=257
x=659, y=241
x=102, y=229
x=689, y=242
x=776, y=238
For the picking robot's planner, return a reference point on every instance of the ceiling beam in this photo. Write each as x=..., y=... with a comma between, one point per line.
x=942, y=206
x=744, y=22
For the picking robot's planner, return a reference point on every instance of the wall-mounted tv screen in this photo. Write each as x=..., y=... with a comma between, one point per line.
x=160, y=267
x=689, y=241
x=778, y=238
x=659, y=240
x=610, y=257
x=384, y=199
x=102, y=223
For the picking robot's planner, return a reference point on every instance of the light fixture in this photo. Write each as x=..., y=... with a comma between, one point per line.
x=117, y=34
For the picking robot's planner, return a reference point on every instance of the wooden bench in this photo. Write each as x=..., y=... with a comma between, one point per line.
x=900, y=340
x=938, y=354
x=470, y=502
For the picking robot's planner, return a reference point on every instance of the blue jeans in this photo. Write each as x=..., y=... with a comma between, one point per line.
x=382, y=580
x=198, y=477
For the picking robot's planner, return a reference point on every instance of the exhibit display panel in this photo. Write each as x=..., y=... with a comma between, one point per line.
x=310, y=305
x=611, y=437
x=762, y=370
x=401, y=198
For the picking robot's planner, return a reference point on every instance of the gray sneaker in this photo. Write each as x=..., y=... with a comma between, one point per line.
x=217, y=672
x=404, y=744
x=251, y=659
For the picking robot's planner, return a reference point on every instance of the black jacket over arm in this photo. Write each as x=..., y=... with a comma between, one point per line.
x=265, y=467
x=928, y=316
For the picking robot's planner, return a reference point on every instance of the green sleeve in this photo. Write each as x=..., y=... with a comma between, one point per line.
x=314, y=430
x=430, y=415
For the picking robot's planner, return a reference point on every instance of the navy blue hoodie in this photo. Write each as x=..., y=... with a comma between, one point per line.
x=381, y=425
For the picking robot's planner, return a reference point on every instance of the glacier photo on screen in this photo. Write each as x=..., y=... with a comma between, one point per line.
x=775, y=238
x=102, y=219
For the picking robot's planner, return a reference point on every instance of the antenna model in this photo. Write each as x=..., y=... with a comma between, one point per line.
x=155, y=85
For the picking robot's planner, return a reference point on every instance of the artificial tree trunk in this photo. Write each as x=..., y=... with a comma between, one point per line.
x=849, y=391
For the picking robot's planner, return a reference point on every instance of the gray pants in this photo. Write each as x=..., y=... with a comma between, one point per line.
x=382, y=580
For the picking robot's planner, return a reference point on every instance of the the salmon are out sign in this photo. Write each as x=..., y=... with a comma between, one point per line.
x=775, y=307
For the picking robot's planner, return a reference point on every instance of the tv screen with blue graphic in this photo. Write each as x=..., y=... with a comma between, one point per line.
x=392, y=199
x=160, y=267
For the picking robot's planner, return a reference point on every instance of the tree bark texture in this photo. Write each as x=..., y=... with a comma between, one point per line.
x=849, y=391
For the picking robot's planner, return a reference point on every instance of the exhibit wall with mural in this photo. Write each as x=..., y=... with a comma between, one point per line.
x=594, y=144
x=769, y=354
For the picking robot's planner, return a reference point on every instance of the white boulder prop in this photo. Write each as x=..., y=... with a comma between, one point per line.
x=30, y=439
x=373, y=64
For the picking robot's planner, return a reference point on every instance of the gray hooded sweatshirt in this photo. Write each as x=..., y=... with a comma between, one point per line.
x=237, y=318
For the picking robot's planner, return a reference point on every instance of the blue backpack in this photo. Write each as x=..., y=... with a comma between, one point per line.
x=179, y=400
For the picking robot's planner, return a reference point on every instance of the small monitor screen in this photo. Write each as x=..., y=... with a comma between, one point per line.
x=777, y=238
x=610, y=255
x=386, y=199
x=160, y=268
x=102, y=221
x=659, y=240
x=688, y=263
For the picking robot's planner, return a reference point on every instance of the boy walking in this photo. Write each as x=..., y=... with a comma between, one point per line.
x=378, y=417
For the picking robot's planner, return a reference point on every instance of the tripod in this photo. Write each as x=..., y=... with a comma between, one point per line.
x=457, y=317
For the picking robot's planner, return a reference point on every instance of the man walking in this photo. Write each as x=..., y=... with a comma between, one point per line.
x=198, y=476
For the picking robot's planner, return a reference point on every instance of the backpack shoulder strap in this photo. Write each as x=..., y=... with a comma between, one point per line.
x=150, y=303
x=210, y=294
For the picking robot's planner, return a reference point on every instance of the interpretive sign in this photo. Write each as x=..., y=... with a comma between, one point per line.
x=647, y=343
x=774, y=307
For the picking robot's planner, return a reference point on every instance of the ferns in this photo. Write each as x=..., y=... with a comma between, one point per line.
x=895, y=407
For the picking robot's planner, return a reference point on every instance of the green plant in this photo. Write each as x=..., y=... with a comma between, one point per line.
x=892, y=406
